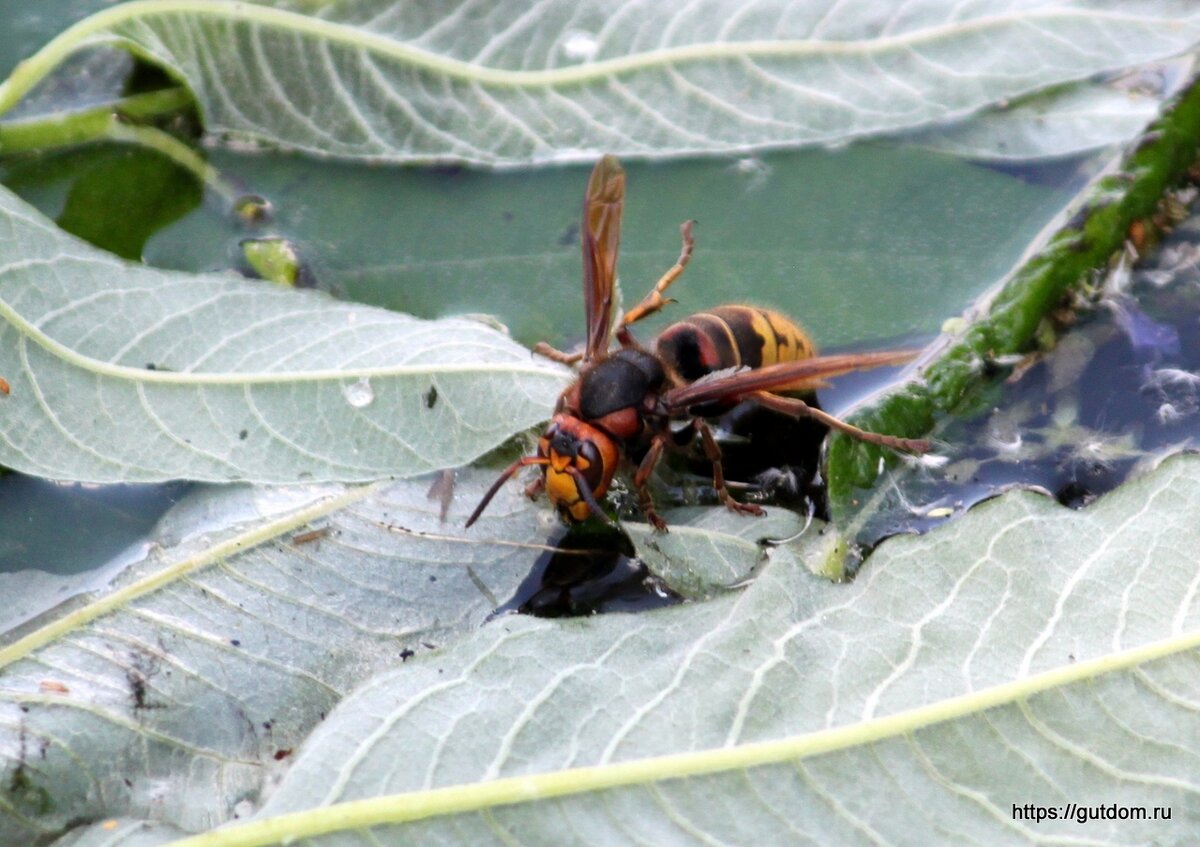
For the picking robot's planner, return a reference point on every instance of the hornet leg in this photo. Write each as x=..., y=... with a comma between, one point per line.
x=642, y=477
x=544, y=349
x=654, y=301
x=712, y=452
x=795, y=408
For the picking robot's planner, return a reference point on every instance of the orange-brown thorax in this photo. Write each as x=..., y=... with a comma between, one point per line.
x=600, y=416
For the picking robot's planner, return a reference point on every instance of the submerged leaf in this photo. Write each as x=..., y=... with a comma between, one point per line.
x=122, y=373
x=379, y=79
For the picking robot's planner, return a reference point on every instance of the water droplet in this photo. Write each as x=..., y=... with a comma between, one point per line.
x=754, y=170
x=359, y=394
x=581, y=46
x=252, y=209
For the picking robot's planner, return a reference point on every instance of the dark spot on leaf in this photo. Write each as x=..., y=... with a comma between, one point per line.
x=235, y=642
x=137, y=675
x=137, y=688
x=280, y=755
x=310, y=536
x=570, y=235
x=406, y=654
x=431, y=397
x=25, y=795
x=243, y=434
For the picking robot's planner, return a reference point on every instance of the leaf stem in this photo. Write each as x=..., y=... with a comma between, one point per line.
x=111, y=122
x=65, y=129
x=181, y=154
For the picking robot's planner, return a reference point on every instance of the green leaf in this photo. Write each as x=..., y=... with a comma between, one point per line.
x=388, y=81
x=1023, y=654
x=122, y=373
x=149, y=190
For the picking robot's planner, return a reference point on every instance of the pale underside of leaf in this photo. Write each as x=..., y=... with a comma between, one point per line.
x=564, y=80
x=874, y=684
x=123, y=373
x=1097, y=610
x=1069, y=123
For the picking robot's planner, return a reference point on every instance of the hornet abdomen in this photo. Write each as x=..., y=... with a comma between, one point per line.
x=729, y=337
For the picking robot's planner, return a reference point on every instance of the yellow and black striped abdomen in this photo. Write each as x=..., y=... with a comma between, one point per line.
x=729, y=337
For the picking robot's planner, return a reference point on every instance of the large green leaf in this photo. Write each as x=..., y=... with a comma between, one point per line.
x=1024, y=636
x=562, y=80
x=862, y=244
x=1025, y=654
x=122, y=373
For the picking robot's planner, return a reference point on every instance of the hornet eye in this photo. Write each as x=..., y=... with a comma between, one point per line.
x=594, y=472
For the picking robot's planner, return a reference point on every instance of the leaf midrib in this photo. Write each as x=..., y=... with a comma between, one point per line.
x=472, y=797
x=29, y=72
x=239, y=543
x=187, y=378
